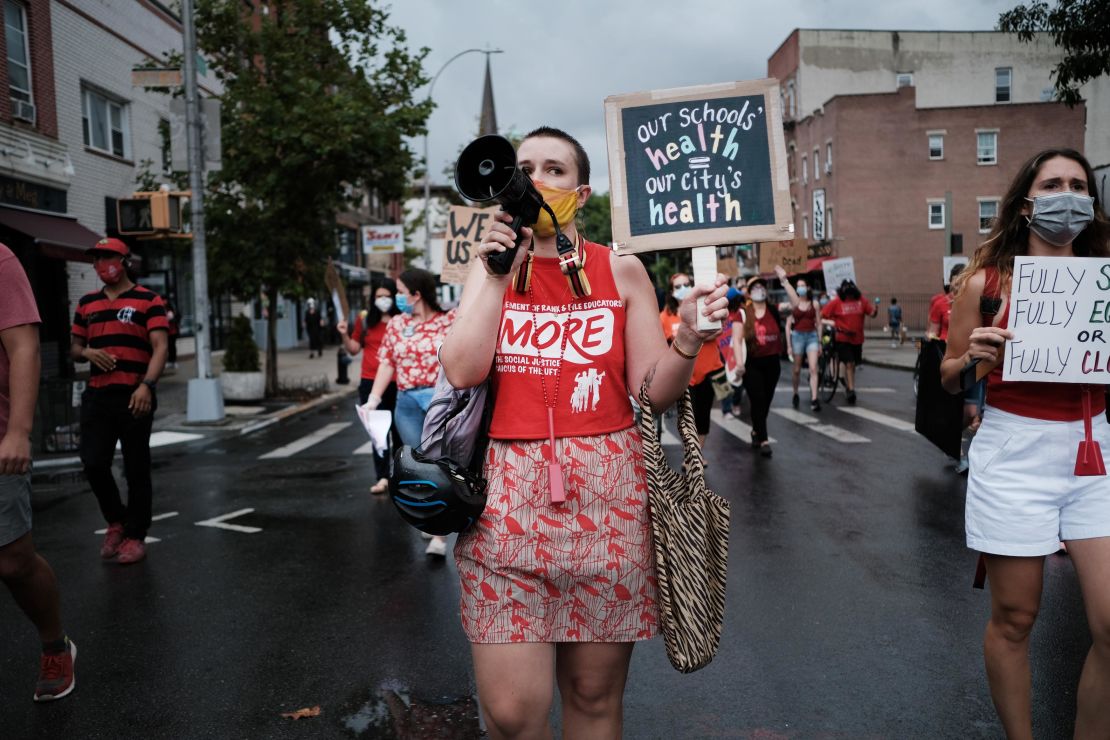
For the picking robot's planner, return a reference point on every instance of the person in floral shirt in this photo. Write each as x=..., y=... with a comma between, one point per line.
x=409, y=357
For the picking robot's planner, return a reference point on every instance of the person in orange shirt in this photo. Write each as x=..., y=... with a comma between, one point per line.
x=709, y=357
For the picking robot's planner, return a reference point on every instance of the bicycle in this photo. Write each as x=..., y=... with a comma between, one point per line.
x=828, y=368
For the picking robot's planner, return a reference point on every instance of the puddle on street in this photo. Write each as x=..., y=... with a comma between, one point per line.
x=394, y=712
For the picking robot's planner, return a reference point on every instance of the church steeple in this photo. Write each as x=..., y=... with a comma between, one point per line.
x=488, y=121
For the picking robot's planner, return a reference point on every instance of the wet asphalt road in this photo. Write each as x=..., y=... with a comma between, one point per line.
x=850, y=611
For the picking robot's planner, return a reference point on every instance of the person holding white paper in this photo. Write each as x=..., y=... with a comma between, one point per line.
x=558, y=574
x=1029, y=488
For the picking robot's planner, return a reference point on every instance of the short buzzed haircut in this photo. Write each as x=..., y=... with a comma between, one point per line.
x=581, y=158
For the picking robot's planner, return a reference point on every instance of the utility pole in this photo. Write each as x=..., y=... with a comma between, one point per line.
x=205, y=400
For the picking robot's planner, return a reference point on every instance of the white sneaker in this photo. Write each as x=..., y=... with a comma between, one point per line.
x=438, y=546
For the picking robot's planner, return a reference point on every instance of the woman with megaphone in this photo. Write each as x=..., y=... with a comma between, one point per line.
x=558, y=575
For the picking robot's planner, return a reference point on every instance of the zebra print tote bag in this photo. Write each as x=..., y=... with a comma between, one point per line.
x=689, y=525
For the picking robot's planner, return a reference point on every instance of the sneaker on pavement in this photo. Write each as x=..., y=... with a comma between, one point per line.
x=795, y=400
x=851, y=398
x=437, y=546
x=815, y=405
x=112, y=540
x=56, y=678
x=131, y=551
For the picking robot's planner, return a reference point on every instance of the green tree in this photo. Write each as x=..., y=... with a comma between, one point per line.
x=594, y=219
x=318, y=97
x=1081, y=28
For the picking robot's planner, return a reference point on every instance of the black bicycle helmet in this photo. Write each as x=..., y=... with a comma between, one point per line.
x=435, y=496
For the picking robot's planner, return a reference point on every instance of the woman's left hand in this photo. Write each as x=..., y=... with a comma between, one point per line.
x=715, y=309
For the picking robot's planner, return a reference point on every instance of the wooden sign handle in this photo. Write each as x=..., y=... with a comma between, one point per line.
x=705, y=273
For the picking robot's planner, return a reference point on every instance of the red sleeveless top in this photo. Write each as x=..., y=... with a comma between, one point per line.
x=1049, y=401
x=592, y=394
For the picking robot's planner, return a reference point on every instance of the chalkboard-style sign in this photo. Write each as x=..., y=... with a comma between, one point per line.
x=698, y=166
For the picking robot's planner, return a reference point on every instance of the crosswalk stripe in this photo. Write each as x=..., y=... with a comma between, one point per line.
x=736, y=428
x=366, y=449
x=875, y=416
x=306, y=441
x=830, y=431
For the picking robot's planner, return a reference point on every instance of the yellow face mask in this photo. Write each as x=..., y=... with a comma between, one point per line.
x=563, y=202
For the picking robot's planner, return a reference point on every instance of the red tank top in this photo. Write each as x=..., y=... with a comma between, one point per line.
x=768, y=338
x=1051, y=401
x=805, y=321
x=592, y=392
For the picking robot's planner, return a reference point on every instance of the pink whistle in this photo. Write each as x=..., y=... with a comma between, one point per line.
x=555, y=482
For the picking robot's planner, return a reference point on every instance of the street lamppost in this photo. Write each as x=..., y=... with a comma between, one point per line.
x=428, y=164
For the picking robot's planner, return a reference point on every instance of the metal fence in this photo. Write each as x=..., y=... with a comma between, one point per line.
x=59, y=415
x=915, y=313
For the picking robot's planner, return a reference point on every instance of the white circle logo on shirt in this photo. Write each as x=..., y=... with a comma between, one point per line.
x=124, y=315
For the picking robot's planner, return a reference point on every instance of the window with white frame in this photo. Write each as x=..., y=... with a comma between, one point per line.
x=828, y=223
x=805, y=227
x=903, y=79
x=105, y=123
x=816, y=164
x=19, y=61
x=936, y=214
x=828, y=157
x=936, y=145
x=987, y=147
x=805, y=170
x=1003, y=79
x=988, y=211
x=790, y=103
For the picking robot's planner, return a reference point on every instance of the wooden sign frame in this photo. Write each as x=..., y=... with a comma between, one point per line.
x=781, y=228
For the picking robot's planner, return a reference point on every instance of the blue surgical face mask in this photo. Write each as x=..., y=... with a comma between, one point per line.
x=404, y=304
x=681, y=292
x=1059, y=218
x=803, y=291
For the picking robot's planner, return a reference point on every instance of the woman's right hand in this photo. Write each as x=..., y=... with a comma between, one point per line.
x=498, y=238
x=986, y=343
x=341, y=327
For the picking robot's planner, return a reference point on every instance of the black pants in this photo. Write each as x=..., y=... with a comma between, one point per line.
x=761, y=375
x=389, y=402
x=315, y=340
x=171, y=352
x=105, y=419
x=701, y=398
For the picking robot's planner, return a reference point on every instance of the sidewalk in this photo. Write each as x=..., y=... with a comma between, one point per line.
x=877, y=351
x=316, y=377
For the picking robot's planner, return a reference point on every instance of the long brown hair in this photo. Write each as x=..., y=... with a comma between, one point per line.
x=1009, y=235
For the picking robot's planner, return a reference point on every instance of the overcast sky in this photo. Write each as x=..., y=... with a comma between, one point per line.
x=561, y=59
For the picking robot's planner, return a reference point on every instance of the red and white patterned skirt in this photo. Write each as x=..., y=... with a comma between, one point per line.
x=579, y=571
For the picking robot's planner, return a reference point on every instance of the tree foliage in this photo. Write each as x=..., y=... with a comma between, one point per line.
x=318, y=97
x=595, y=220
x=1081, y=28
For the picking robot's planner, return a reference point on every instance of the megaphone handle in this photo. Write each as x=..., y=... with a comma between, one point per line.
x=502, y=262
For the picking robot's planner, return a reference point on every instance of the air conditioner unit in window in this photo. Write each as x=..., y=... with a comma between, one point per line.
x=23, y=110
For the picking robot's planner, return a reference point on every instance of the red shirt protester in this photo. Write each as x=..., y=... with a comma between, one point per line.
x=17, y=307
x=805, y=320
x=412, y=348
x=121, y=327
x=848, y=317
x=371, y=341
x=767, y=340
x=709, y=358
x=940, y=312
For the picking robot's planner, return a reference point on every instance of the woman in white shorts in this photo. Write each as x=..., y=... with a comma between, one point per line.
x=1023, y=494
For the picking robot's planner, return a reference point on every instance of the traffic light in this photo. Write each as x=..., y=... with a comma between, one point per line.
x=160, y=212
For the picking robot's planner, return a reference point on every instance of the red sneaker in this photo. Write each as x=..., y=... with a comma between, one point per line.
x=112, y=541
x=56, y=677
x=131, y=551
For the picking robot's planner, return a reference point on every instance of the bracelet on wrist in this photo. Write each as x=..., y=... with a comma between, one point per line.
x=683, y=353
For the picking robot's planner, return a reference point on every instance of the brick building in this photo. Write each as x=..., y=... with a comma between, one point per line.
x=896, y=139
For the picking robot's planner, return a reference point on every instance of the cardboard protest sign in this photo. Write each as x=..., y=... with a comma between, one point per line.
x=793, y=255
x=1060, y=316
x=727, y=264
x=464, y=231
x=949, y=263
x=837, y=271
x=697, y=166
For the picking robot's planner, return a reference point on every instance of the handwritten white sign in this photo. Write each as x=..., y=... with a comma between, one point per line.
x=1060, y=316
x=837, y=271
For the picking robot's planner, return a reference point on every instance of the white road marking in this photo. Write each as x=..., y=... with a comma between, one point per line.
x=803, y=390
x=736, y=428
x=830, y=431
x=875, y=416
x=161, y=439
x=366, y=449
x=218, y=522
x=155, y=518
x=306, y=441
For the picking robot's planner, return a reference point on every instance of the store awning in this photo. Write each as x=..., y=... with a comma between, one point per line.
x=56, y=235
x=815, y=263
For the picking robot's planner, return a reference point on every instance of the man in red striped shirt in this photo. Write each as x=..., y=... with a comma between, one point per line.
x=122, y=332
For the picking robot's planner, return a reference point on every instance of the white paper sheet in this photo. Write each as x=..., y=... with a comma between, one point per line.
x=377, y=424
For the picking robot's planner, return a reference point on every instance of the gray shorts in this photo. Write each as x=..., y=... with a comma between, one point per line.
x=15, y=507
